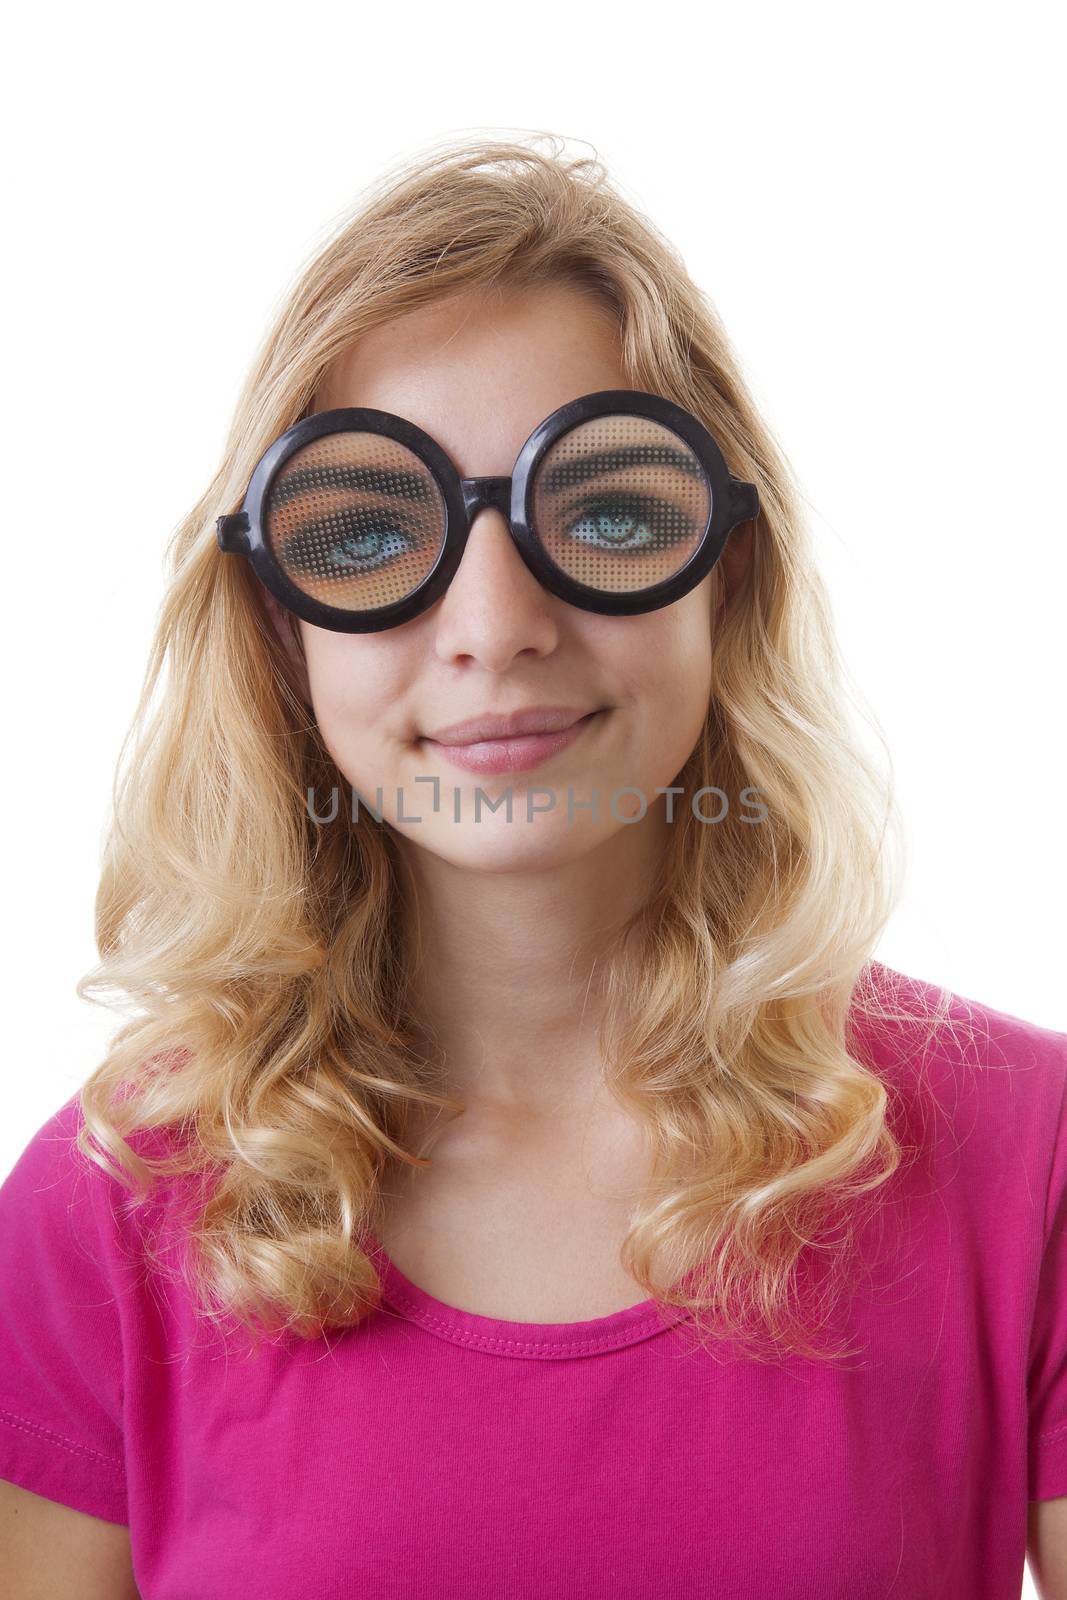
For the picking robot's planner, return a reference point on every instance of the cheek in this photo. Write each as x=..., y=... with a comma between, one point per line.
x=662, y=660
x=356, y=683
x=678, y=686
x=659, y=665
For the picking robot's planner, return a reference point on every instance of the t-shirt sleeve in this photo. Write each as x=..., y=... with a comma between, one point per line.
x=1047, y=1375
x=61, y=1335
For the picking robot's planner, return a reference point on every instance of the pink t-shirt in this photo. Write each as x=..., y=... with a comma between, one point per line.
x=436, y=1452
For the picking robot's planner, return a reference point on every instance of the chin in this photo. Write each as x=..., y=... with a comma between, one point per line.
x=517, y=846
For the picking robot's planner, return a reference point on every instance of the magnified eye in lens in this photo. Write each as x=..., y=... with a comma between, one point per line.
x=620, y=503
x=355, y=520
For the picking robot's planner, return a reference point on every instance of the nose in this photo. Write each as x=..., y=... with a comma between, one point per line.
x=494, y=608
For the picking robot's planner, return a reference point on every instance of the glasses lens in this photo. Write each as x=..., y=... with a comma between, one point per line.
x=620, y=503
x=356, y=520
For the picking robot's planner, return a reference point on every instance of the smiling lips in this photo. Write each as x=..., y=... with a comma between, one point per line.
x=514, y=743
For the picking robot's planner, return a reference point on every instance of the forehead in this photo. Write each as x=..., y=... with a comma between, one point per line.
x=480, y=370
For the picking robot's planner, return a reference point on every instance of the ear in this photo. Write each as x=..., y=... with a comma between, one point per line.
x=286, y=629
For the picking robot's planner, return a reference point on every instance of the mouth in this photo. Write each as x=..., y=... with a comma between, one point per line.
x=513, y=752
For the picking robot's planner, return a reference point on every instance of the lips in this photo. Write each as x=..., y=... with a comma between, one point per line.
x=517, y=752
x=516, y=724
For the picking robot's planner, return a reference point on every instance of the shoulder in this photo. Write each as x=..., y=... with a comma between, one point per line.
x=54, y=1189
x=974, y=1088
x=74, y=1235
x=961, y=1038
x=979, y=1099
x=57, y=1188
x=77, y=1298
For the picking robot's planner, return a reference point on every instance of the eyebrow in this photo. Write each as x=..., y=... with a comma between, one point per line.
x=302, y=481
x=415, y=487
x=601, y=462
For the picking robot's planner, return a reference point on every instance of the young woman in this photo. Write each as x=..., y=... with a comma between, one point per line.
x=517, y=1176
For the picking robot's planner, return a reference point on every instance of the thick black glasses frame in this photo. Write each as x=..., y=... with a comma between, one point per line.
x=732, y=501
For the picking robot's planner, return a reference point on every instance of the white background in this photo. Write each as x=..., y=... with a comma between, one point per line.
x=871, y=196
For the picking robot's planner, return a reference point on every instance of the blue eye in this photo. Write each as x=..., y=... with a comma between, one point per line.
x=366, y=551
x=627, y=525
x=611, y=531
x=317, y=551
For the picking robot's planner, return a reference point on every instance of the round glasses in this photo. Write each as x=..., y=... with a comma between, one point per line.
x=356, y=520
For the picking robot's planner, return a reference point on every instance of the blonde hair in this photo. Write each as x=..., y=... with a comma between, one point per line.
x=271, y=1032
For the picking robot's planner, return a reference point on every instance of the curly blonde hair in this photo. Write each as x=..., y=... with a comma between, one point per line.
x=271, y=1034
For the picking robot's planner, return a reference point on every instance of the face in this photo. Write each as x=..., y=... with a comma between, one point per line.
x=478, y=373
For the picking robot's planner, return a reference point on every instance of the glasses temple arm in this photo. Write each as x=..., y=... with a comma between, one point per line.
x=232, y=532
x=744, y=501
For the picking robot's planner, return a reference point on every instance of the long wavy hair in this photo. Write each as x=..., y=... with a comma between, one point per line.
x=271, y=1050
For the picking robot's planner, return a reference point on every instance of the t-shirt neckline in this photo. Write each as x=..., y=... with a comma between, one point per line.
x=536, y=1341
